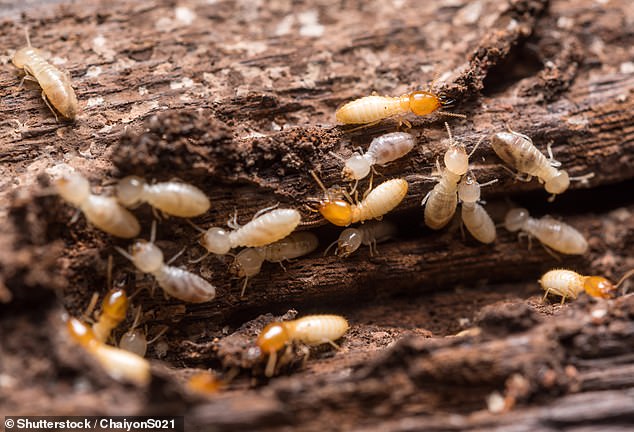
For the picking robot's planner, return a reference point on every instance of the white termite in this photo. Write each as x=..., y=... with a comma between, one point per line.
x=57, y=90
x=383, y=150
x=175, y=281
x=518, y=151
x=368, y=234
x=548, y=230
x=441, y=202
x=249, y=261
x=172, y=198
x=474, y=216
x=103, y=212
x=265, y=228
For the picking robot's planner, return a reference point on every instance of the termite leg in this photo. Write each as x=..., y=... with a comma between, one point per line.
x=233, y=221
x=87, y=315
x=334, y=345
x=244, y=286
x=425, y=198
x=49, y=106
x=270, y=364
x=551, y=158
x=179, y=253
x=199, y=259
x=363, y=126
x=551, y=252
x=264, y=210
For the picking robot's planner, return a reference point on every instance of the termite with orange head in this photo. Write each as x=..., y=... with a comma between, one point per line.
x=548, y=230
x=518, y=151
x=373, y=109
x=310, y=330
x=175, y=281
x=57, y=90
x=119, y=364
x=474, y=216
x=172, y=198
x=569, y=284
x=266, y=227
x=378, y=202
x=368, y=234
x=103, y=212
x=441, y=202
x=249, y=261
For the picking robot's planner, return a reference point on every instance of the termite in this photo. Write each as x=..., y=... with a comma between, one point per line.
x=265, y=228
x=249, y=261
x=119, y=364
x=368, y=234
x=177, y=282
x=383, y=150
x=569, y=284
x=103, y=212
x=548, y=230
x=172, y=198
x=474, y=216
x=57, y=90
x=518, y=151
x=441, y=202
x=135, y=340
x=310, y=330
x=378, y=202
x=373, y=109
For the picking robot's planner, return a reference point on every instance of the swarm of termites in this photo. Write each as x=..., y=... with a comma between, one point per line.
x=270, y=235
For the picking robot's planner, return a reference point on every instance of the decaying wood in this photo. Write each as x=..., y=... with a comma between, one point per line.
x=239, y=100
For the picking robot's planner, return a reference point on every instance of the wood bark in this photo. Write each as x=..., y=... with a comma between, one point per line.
x=239, y=100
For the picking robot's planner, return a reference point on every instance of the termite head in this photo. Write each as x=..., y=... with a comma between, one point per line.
x=130, y=190
x=356, y=168
x=23, y=56
x=516, y=218
x=216, y=240
x=81, y=333
x=273, y=338
x=598, y=286
x=332, y=207
x=115, y=304
x=134, y=341
x=456, y=159
x=423, y=103
x=558, y=183
x=73, y=187
x=349, y=241
x=146, y=256
x=247, y=263
x=469, y=189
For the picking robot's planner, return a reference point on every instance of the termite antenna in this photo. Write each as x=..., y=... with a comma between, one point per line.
x=450, y=114
x=627, y=275
x=26, y=33
x=476, y=147
x=490, y=182
x=449, y=133
x=197, y=260
x=330, y=246
x=321, y=185
x=336, y=156
x=124, y=253
x=583, y=179
x=244, y=286
x=196, y=227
